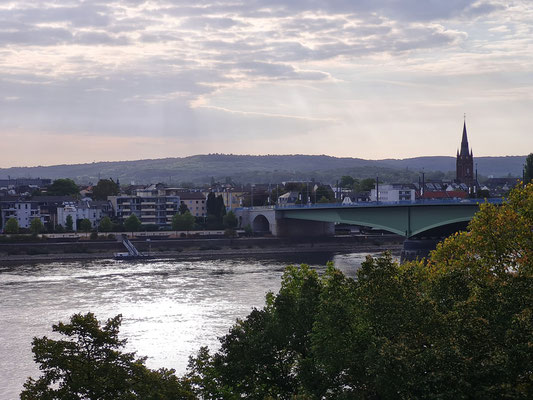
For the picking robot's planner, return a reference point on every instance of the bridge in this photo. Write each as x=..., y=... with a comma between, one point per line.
x=408, y=219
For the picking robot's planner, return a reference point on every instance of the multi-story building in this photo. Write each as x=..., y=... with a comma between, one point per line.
x=148, y=205
x=195, y=202
x=24, y=211
x=94, y=211
x=393, y=192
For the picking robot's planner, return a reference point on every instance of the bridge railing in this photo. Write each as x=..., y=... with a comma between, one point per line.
x=389, y=203
x=375, y=204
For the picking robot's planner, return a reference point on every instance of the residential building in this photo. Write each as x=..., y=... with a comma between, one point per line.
x=394, y=192
x=148, y=205
x=195, y=202
x=24, y=211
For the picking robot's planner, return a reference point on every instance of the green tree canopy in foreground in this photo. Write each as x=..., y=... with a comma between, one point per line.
x=89, y=363
x=457, y=326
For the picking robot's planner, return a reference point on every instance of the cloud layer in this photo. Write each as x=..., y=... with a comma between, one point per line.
x=262, y=76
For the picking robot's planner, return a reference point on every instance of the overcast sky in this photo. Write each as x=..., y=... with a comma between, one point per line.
x=130, y=79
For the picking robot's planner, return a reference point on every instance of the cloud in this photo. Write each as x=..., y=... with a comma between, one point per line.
x=196, y=67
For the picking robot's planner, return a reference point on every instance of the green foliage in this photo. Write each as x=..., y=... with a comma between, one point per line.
x=230, y=220
x=69, y=223
x=183, y=222
x=12, y=226
x=94, y=236
x=105, y=225
x=528, y=169
x=90, y=364
x=346, y=182
x=63, y=187
x=365, y=185
x=183, y=208
x=132, y=223
x=85, y=225
x=36, y=226
x=104, y=188
x=459, y=325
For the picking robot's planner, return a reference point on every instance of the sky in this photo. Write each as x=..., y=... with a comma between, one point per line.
x=84, y=81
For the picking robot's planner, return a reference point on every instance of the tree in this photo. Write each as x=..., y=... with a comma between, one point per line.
x=105, y=225
x=132, y=223
x=230, y=220
x=36, y=226
x=182, y=209
x=365, y=185
x=12, y=226
x=183, y=222
x=210, y=204
x=90, y=364
x=63, y=187
x=461, y=316
x=85, y=225
x=105, y=188
x=69, y=223
x=528, y=168
x=347, y=182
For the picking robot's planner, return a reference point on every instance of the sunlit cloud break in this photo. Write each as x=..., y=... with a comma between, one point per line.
x=364, y=78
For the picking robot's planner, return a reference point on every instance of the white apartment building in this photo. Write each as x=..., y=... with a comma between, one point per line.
x=394, y=192
x=23, y=211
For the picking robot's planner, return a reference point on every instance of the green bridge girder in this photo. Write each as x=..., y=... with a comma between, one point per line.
x=406, y=220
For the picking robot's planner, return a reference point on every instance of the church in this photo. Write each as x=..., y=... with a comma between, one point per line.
x=465, y=163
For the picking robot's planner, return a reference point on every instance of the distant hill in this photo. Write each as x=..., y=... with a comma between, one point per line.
x=264, y=169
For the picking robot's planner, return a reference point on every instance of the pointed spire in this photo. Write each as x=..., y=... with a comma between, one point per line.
x=464, y=141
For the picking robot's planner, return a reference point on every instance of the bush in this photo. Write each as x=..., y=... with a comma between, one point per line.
x=94, y=236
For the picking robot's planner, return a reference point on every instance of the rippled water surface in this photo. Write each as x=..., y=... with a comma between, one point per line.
x=170, y=308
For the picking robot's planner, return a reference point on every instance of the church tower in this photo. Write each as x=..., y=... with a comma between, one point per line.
x=465, y=162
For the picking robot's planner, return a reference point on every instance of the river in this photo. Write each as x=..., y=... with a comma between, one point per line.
x=170, y=308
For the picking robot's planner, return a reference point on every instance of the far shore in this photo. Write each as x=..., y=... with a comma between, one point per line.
x=206, y=249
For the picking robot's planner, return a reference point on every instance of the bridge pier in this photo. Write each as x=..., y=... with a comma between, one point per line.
x=414, y=248
x=303, y=228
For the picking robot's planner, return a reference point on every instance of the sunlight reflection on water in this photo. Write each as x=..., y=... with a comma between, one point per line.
x=170, y=308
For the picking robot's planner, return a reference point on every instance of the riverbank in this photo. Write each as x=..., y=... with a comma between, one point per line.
x=197, y=248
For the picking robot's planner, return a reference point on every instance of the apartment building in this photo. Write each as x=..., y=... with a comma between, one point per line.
x=150, y=205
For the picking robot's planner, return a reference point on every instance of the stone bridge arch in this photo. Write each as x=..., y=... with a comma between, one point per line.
x=261, y=224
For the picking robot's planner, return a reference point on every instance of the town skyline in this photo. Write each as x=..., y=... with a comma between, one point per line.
x=94, y=81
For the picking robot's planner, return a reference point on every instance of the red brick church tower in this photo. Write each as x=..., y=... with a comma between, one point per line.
x=465, y=162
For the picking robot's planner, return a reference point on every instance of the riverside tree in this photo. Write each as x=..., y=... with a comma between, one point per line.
x=89, y=363
x=85, y=225
x=12, y=226
x=36, y=226
x=183, y=222
x=132, y=223
x=105, y=225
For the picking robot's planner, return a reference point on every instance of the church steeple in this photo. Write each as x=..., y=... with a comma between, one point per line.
x=464, y=143
x=465, y=161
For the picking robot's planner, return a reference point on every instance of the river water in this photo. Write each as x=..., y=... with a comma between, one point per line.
x=170, y=308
